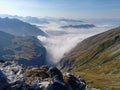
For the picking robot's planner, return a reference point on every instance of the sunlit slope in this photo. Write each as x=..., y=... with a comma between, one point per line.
x=97, y=58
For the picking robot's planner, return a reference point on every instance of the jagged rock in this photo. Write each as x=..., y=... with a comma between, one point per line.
x=15, y=77
x=66, y=64
x=36, y=74
x=3, y=81
x=12, y=71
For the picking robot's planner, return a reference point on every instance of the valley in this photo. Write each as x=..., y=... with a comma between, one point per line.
x=92, y=53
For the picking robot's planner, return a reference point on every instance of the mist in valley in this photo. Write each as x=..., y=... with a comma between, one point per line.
x=61, y=40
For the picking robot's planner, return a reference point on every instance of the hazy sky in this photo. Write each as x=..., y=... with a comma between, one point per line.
x=62, y=8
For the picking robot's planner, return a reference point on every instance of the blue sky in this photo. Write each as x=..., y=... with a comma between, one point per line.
x=62, y=8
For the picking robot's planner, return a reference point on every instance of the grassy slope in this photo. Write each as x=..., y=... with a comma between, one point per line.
x=98, y=60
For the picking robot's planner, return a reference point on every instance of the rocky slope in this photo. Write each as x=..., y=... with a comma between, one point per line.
x=97, y=59
x=13, y=77
x=19, y=28
x=27, y=50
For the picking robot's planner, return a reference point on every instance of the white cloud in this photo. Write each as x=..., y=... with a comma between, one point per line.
x=58, y=45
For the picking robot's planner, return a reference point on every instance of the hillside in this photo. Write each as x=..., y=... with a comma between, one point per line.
x=19, y=28
x=97, y=59
x=25, y=50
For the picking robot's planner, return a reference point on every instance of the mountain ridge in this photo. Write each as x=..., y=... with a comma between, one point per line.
x=80, y=26
x=19, y=28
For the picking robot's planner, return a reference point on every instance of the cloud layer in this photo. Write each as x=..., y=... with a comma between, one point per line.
x=61, y=40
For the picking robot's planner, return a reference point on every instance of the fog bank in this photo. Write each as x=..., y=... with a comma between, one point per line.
x=60, y=41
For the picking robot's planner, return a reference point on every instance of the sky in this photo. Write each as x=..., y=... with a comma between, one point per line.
x=62, y=8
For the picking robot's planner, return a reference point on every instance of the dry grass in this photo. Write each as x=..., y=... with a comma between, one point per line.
x=98, y=60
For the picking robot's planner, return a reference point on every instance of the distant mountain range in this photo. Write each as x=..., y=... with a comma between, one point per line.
x=70, y=20
x=83, y=26
x=26, y=50
x=37, y=20
x=28, y=19
x=19, y=28
x=97, y=59
x=34, y=20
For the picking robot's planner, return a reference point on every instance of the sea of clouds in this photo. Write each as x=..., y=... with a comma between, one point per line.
x=61, y=40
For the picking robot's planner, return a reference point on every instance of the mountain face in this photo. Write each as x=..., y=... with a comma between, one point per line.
x=25, y=50
x=19, y=28
x=5, y=39
x=97, y=59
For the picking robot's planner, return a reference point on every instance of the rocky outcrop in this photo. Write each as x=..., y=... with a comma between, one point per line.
x=66, y=64
x=13, y=77
x=16, y=77
x=11, y=72
x=36, y=74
